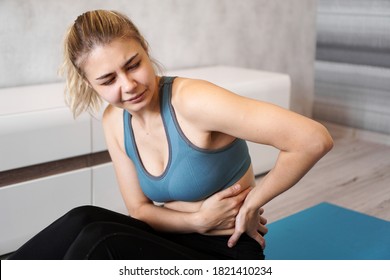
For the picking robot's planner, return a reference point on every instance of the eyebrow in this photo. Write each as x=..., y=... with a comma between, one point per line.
x=124, y=65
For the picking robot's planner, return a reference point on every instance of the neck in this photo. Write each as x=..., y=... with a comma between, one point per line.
x=146, y=116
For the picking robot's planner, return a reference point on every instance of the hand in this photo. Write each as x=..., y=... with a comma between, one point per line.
x=252, y=223
x=217, y=214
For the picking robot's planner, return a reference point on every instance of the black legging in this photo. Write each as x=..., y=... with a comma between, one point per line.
x=90, y=232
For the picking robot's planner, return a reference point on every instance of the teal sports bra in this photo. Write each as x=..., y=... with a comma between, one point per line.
x=192, y=173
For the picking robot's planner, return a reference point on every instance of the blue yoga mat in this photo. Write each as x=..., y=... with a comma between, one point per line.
x=328, y=232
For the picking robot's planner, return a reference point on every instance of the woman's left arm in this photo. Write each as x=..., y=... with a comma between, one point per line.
x=301, y=140
x=307, y=145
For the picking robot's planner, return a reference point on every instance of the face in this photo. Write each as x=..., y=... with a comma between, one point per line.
x=122, y=74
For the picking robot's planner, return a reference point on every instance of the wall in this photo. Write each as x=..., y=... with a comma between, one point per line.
x=274, y=35
x=352, y=69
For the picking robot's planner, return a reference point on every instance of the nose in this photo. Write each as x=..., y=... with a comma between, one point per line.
x=128, y=84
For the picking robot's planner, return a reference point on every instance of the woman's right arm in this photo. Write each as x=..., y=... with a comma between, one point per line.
x=215, y=214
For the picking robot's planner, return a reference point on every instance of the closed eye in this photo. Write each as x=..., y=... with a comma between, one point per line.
x=109, y=81
x=133, y=66
x=127, y=66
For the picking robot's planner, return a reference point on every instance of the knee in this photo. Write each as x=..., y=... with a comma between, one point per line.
x=81, y=210
x=85, y=213
x=96, y=229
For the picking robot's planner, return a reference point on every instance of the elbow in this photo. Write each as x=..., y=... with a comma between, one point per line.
x=135, y=212
x=132, y=213
x=321, y=141
x=141, y=211
x=326, y=140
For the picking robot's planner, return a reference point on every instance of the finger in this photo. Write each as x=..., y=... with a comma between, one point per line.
x=261, y=211
x=263, y=220
x=262, y=229
x=242, y=195
x=233, y=239
x=259, y=239
x=229, y=192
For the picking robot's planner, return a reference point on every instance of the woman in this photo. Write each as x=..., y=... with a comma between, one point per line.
x=179, y=142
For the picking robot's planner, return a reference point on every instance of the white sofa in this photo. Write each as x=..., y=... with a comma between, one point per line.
x=36, y=127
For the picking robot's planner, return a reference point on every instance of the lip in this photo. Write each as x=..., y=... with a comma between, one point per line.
x=136, y=99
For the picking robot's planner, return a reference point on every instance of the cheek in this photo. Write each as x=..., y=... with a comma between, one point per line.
x=146, y=74
x=111, y=95
x=141, y=76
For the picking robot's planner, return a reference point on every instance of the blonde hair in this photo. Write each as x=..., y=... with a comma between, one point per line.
x=91, y=29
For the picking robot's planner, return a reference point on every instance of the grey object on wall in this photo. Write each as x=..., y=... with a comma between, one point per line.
x=352, y=69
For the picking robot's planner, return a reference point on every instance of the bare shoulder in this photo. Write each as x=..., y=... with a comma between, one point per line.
x=185, y=88
x=191, y=95
x=112, y=116
x=113, y=124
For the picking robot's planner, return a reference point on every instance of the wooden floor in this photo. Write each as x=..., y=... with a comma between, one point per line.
x=354, y=175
